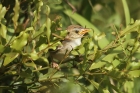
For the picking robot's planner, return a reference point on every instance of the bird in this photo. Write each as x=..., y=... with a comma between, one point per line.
x=73, y=39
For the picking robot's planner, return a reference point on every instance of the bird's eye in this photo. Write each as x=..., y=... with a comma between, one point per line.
x=76, y=31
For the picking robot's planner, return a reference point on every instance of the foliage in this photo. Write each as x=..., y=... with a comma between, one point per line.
x=107, y=61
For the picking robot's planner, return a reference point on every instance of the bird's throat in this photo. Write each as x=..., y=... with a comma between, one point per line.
x=72, y=43
x=76, y=42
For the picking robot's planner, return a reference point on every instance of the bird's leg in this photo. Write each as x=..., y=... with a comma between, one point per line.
x=55, y=65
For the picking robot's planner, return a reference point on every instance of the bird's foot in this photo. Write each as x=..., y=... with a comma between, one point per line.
x=55, y=65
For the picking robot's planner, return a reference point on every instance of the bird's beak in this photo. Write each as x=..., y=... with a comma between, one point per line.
x=84, y=31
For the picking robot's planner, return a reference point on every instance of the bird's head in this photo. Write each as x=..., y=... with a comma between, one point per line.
x=76, y=31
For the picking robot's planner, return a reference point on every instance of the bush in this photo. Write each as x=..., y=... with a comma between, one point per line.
x=109, y=55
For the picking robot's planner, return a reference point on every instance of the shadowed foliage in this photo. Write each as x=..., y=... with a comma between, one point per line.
x=107, y=61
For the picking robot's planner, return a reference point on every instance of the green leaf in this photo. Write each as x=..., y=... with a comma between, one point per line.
x=100, y=36
x=115, y=63
x=27, y=80
x=97, y=65
x=131, y=28
x=134, y=73
x=47, y=10
x=48, y=31
x=44, y=46
x=30, y=64
x=3, y=30
x=129, y=87
x=43, y=61
x=95, y=84
x=16, y=13
x=126, y=12
x=106, y=91
x=20, y=41
x=116, y=73
x=32, y=55
x=2, y=12
x=11, y=72
x=133, y=66
x=26, y=74
x=81, y=51
x=49, y=46
x=9, y=58
x=1, y=48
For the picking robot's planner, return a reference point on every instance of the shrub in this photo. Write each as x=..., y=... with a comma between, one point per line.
x=29, y=30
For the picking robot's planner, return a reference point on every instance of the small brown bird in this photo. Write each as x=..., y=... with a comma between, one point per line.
x=71, y=41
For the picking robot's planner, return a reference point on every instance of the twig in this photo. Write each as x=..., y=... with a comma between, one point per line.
x=73, y=8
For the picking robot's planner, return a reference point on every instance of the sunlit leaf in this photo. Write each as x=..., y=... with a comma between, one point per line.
x=48, y=10
x=31, y=64
x=45, y=47
x=2, y=11
x=131, y=28
x=100, y=36
x=20, y=41
x=81, y=51
x=133, y=66
x=3, y=30
x=106, y=91
x=11, y=72
x=126, y=11
x=16, y=13
x=97, y=65
x=106, y=63
x=43, y=61
x=134, y=73
x=116, y=63
x=95, y=84
x=9, y=58
x=129, y=86
x=48, y=31
x=1, y=48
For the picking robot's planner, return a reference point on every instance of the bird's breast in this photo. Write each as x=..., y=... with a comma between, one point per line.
x=67, y=46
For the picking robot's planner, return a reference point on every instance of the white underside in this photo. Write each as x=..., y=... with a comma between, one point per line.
x=71, y=44
x=67, y=47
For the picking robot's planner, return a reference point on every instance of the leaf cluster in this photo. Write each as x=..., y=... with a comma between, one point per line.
x=107, y=61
